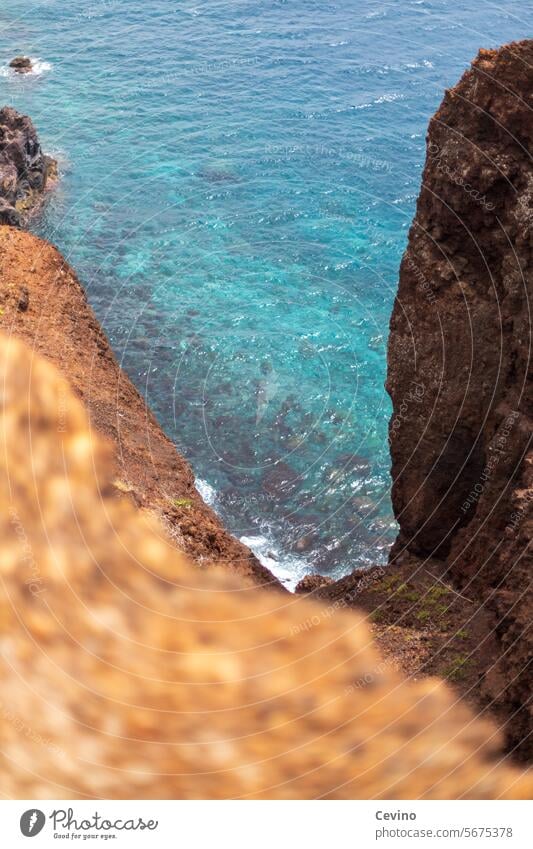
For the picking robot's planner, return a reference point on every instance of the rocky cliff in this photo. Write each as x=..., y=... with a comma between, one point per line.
x=178, y=682
x=25, y=171
x=42, y=302
x=459, y=367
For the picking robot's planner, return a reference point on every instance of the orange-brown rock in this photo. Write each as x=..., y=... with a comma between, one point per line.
x=310, y=583
x=127, y=674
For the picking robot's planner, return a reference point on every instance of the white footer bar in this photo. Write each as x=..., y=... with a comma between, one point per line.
x=267, y=825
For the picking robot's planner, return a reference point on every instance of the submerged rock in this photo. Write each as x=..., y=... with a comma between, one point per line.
x=217, y=175
x=354, y=463
x=24, y=170
x=304, y=543
x=348, y=467
x=281, y=480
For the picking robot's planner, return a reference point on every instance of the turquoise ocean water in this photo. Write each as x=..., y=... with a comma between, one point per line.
x=237, y=183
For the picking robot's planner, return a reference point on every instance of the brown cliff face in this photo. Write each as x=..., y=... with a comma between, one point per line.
x=42, y=302
x=127, y=674
x=459, y=363
x=24, y=169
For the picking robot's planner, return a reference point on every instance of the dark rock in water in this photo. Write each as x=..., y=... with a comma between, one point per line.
x=354, y=463
x=217, y=175
x=21, y=64
x=312, y=582
x=280, y=480
x=24, y=169
x=326, y=560
x=364, y=506
x=304, y=543
x=347, y=467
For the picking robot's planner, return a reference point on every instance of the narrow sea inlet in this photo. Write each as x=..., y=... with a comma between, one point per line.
x=237, y=182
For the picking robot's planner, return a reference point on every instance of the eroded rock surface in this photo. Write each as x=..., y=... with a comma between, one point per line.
x=24, y=169
x=21, y=64
x=310, y=583
x=459, y=364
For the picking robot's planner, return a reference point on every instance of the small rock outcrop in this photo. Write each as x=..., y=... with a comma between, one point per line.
x=459, y=364
x=310, y=583
x=24, y=170
x=21, y=64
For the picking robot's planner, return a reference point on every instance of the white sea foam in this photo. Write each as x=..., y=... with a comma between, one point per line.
x=388, y=98
x=208, y=492
x=424, y=64
x=40, y=67
x=288, y=569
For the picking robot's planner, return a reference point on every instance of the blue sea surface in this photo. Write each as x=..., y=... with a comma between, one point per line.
x=238, y=180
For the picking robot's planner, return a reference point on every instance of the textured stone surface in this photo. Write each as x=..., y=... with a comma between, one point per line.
x=24, y=169
x=310, y=583
x=459, y=370
x=127, y=674
x=21, y=64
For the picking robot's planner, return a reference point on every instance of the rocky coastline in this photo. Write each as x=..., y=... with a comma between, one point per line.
x=25, y=171
x=454, y=600
x=44, y=304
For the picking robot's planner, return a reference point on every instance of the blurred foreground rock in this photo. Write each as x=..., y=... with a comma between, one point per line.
x=128, y=674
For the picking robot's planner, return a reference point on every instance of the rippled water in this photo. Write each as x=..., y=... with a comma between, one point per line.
x=238, y=180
